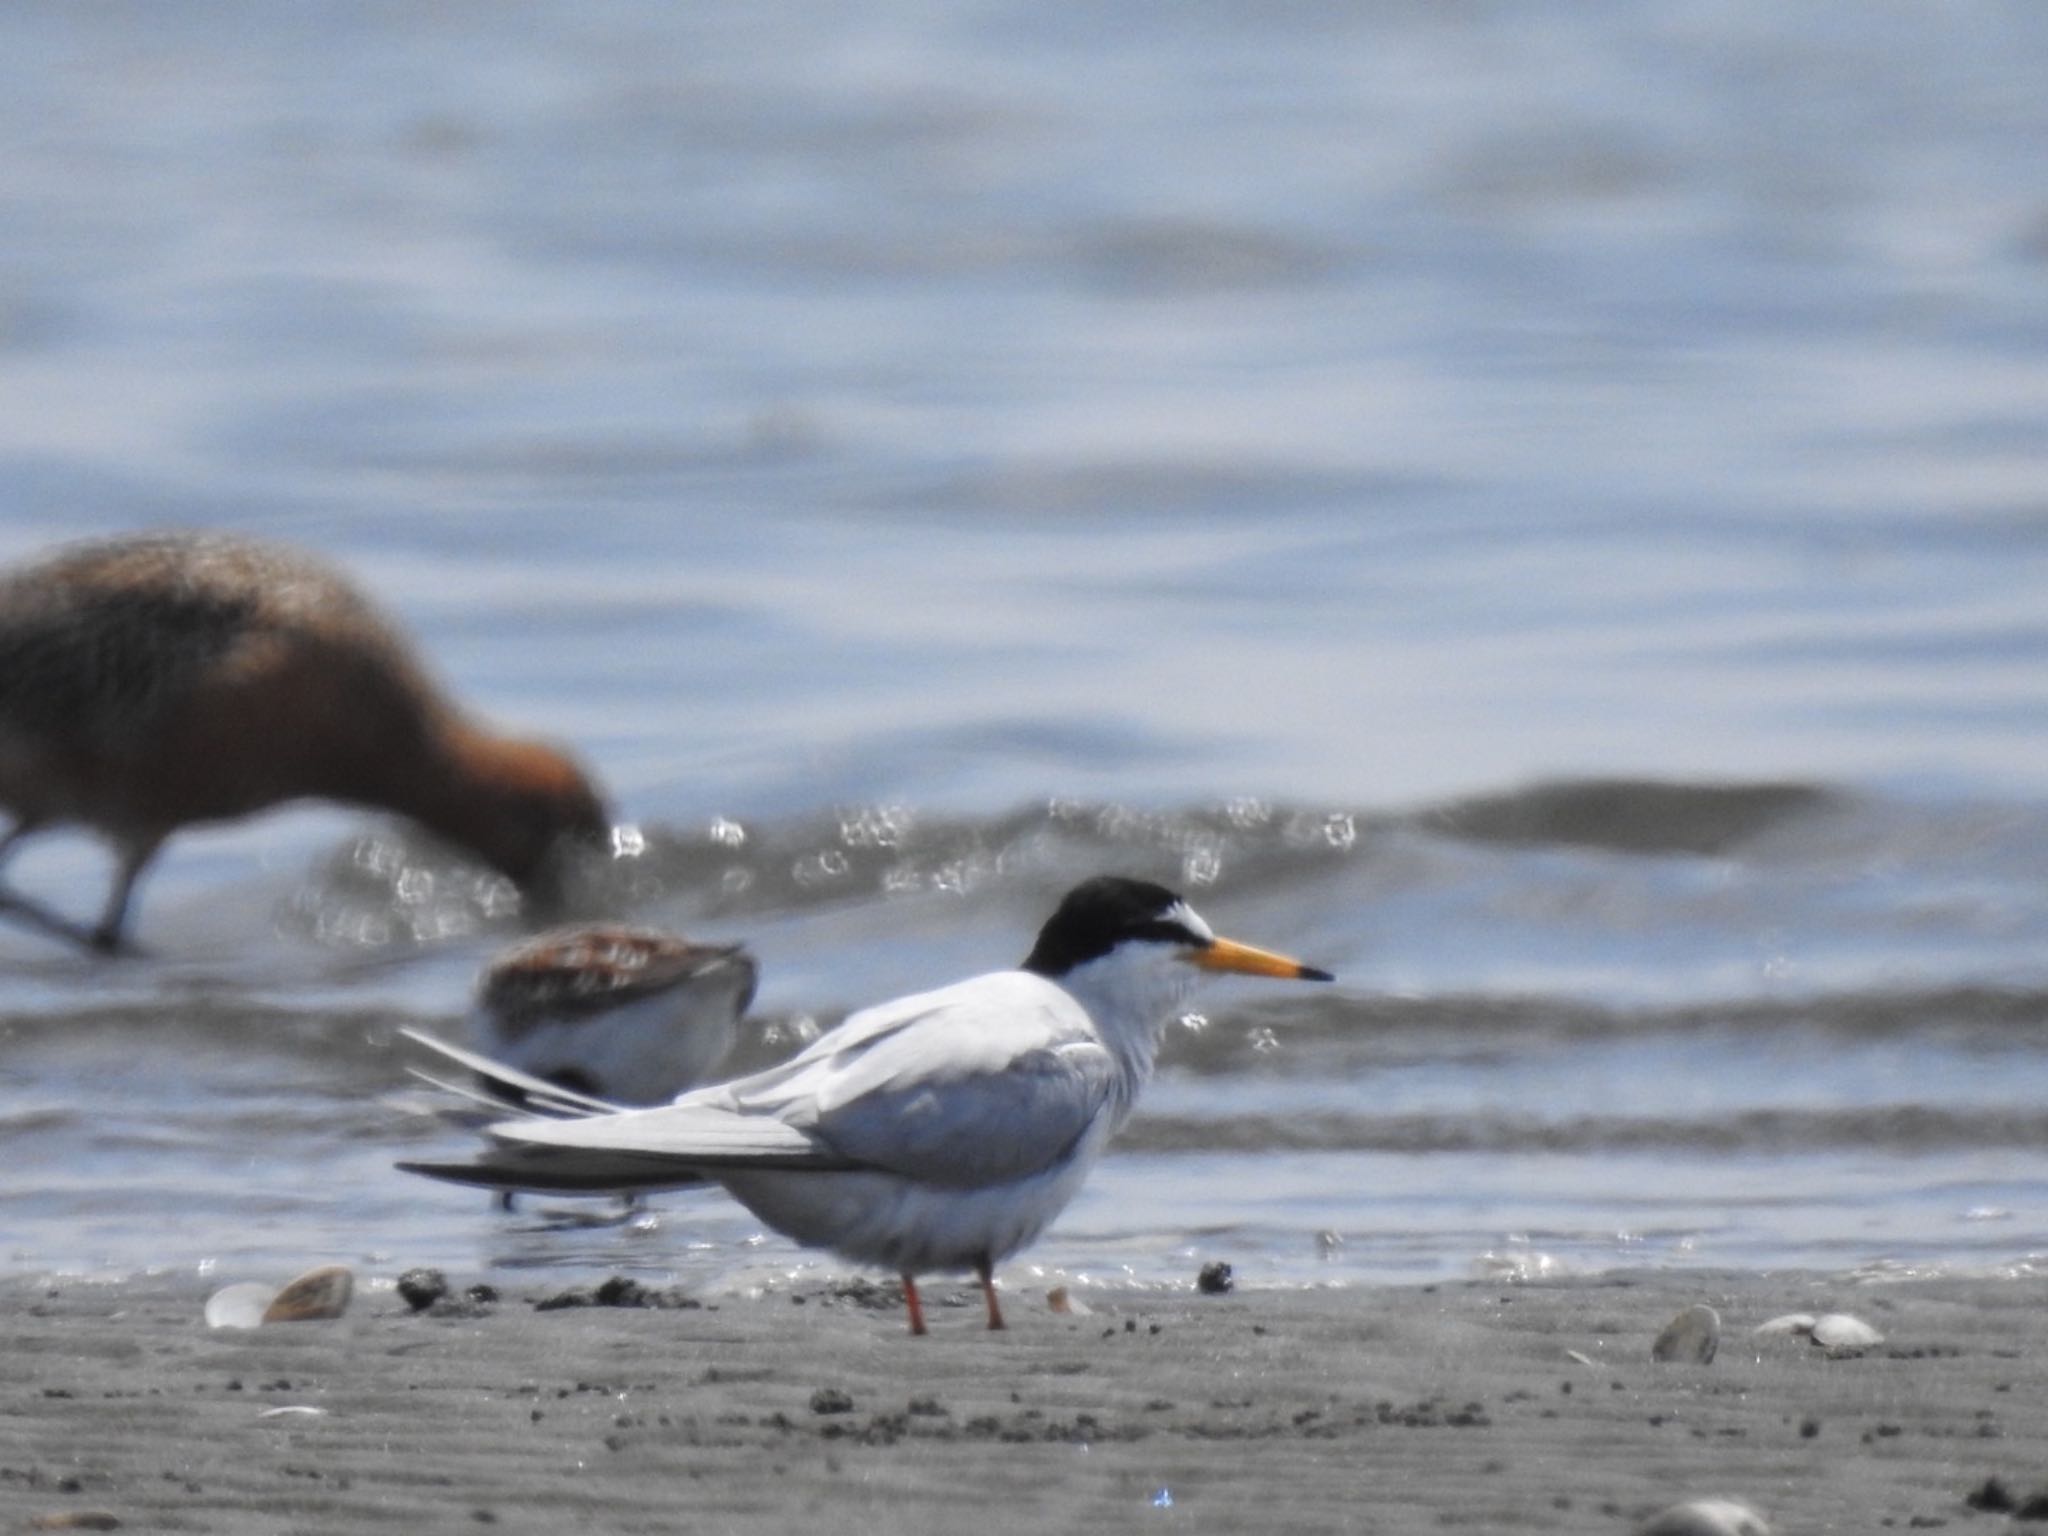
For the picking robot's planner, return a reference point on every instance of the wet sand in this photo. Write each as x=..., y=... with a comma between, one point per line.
x=1419, y=1409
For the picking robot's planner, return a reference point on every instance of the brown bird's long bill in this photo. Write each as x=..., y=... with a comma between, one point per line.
x=1245, y=960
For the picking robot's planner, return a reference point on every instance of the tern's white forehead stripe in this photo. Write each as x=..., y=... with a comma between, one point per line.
x=1180, y=912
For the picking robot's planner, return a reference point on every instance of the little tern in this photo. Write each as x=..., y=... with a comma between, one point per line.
x=941, y=1131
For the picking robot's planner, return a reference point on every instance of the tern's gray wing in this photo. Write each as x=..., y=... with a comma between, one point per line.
x=990, y=1128
x=990, y=1080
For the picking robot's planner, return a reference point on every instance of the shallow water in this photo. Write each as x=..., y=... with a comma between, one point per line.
x=1543, y=511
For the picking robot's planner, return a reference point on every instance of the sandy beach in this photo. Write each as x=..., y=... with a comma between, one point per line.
x=1413, y=1409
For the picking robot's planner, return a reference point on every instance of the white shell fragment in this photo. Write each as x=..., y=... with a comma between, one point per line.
x=294, y=1411
x=1836, y=1332
x=1692, y=1337
x=1800, y=1323
x=1705, y=1517
x=1064, y=1301
x=238, y=1306
x=317, y=1294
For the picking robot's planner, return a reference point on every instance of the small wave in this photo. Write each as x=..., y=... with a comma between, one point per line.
x=1879, y=1129
x=389, y=887
x=19, y=1124
x=1630, y=815
x=1345, y=1035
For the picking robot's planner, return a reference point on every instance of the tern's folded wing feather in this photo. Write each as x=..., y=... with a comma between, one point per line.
x=973, y=1029
x=687, y=1134
x=548, y=1170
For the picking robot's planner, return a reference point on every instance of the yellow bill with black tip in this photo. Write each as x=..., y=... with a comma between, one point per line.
x=1245, y=960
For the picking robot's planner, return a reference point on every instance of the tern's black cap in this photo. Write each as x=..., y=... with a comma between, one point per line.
x=1099, y=914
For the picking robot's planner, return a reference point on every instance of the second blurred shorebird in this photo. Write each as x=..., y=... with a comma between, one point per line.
x=153, y=682
x=941, y=1131
x=628, y=1015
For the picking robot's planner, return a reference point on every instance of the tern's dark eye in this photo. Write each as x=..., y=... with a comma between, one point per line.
x=1166, y=931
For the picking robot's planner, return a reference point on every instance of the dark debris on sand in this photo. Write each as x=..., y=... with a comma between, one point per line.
x=619, y=1291
x=421, y=1288
x=1993, y=1497
x=427, y=1292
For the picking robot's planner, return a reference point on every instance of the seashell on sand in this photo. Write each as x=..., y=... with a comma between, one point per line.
x=317, y=1294
x=1705, y=1517
x=1064, y=1301
x=1692, y=1337
x=239, y=1306
x=1836, y=1332
x=1839, y=1334
x=1800, y=1323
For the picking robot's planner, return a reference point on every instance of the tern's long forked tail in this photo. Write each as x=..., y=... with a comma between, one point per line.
x=556, y=1140
x=507, y=1091
x=540, y=1170
x=504, y=1087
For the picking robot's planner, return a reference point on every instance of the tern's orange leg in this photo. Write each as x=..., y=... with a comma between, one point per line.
x=916, y=1307
x=987, y=1271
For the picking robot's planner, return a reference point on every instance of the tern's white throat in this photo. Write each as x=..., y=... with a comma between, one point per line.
x=1133, y=992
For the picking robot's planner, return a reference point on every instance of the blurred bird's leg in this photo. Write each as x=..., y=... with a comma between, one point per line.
x=987, y=1272
x=29, y=912
x=15, y=834
x=134, y=858
x=916, y=1307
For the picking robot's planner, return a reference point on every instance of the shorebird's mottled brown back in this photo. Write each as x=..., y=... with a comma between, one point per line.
x=573, y=973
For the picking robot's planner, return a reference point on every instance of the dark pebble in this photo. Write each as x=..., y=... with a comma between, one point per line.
x=421, y=1288
x=830, y=1400
x=1215, y=1279
x=1991, y=1496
